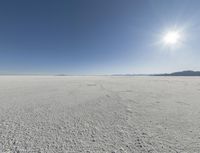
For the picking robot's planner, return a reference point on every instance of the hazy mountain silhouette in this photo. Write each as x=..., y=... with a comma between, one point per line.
x=182, y=73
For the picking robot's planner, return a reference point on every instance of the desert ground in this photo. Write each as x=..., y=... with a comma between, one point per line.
x=99, y=114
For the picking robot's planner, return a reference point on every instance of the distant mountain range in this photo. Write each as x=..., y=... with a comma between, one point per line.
x=182, y=73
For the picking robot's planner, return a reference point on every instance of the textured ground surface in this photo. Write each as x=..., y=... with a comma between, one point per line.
x=99, y=114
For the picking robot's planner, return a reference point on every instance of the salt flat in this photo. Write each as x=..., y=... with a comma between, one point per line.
x=96, y=114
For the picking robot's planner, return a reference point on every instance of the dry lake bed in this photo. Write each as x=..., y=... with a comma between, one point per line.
x=99, y=114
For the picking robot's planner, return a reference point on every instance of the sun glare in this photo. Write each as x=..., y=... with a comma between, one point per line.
x=172, y=37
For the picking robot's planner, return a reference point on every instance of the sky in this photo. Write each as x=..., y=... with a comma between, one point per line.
x=80, y=37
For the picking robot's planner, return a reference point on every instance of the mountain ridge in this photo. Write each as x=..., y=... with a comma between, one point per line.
x=180, y=73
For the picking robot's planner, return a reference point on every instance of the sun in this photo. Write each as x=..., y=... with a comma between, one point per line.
x=171, y=37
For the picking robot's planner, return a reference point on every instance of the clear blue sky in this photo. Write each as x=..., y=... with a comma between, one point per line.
x=97, y=36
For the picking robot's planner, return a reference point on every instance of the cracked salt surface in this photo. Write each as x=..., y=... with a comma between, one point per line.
x=47, y=114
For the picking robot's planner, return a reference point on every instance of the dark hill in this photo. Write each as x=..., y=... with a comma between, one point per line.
x=182, y=73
